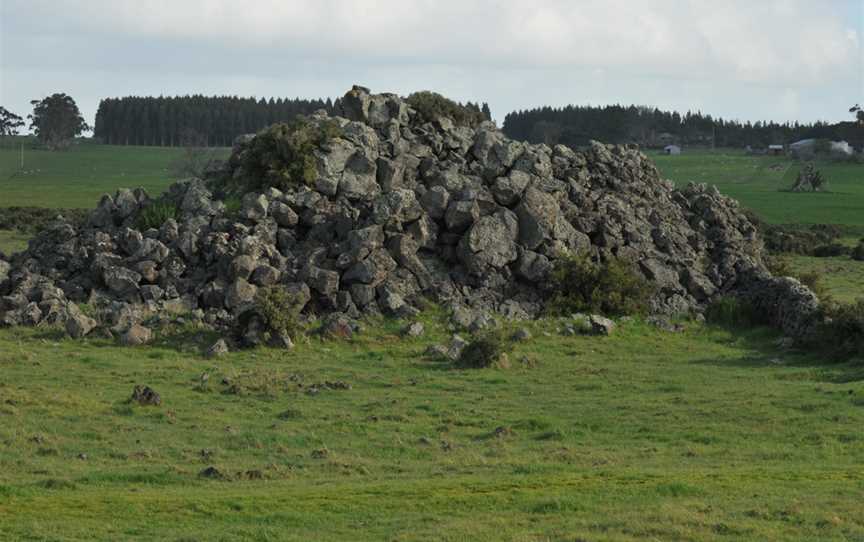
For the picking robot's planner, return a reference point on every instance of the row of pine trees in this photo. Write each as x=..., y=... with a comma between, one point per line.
x=577, y=125
x=213, y=121
x=216, y=121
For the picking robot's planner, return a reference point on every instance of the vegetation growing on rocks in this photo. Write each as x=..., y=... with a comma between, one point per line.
x=281, y=156
x=431, y=106
x=612, y=287
x=155, y=214
x=280, y=310
x=486, y=349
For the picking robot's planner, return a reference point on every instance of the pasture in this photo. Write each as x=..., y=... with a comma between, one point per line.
x=77, y=177
x=759, y=183
x=700, y=435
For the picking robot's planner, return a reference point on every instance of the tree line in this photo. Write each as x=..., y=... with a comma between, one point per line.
x=213, y=121
x=650, y=127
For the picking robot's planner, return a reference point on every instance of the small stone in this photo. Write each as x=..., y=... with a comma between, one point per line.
x=212, y=473
x=416, y=329
x=522, y=335
x=217, y=349
x=601, y=325
x=146, y=396
x=281, y=340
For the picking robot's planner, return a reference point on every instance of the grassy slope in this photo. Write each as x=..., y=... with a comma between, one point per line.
x=756, y=181
x=699, y=435
x=79, y=176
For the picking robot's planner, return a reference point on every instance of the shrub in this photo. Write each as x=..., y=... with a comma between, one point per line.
x=279, y=310
x=613, y=287
x=795, y=239
x=485, y=350
x=431, y=106
x=280, y=156
x=831, y=250
x=155, y=214
x=779, y=267
x=731, y=312
x=858, y=252
x=841, y=335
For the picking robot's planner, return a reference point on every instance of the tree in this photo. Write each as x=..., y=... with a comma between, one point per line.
x=56, y=120
x=9, y=122
x=859, y=113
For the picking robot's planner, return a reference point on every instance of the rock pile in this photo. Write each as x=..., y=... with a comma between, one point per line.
x=400, y=209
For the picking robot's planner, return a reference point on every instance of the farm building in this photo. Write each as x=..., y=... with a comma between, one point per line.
x=672, y=149
x=776, y=149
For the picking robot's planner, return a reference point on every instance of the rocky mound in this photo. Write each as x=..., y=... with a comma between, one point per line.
x=398, y=209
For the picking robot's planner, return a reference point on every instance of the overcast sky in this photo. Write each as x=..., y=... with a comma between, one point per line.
x=750, y=60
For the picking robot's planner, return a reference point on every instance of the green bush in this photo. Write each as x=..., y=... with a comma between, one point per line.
x=797, y=239
x=280, y=156
x=732, y=312
x=279, y=310
x=858, y=252
x=155, y=214
x=613, y=287
x=841, y=335
x=431, y=106
x=485, y=350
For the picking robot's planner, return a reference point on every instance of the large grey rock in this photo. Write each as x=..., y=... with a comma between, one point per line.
x=283, y=214
x=122, y=282
x=254, y=206
x=78, y=324
x=372, y=270
x=460, y=215
x=435, y=201
x=538, y=214
x=240, y=293
x=491, y=242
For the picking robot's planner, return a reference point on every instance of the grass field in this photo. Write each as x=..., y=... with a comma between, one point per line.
x=703, y=435
x=79, y=176
x=757, y=181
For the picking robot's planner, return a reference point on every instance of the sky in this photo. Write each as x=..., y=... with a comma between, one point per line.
x=781, y=60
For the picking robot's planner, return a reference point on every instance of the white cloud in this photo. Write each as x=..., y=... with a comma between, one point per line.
x=743, y=40
x=737, y=58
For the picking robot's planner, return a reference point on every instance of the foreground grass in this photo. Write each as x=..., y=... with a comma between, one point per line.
x=758, y=182
x=701, y=435
x=77, y=177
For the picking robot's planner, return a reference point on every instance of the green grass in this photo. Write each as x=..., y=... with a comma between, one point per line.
x=79, y=176
x=13, y=241
x=644, y=435
x=842, y=277
x=757, y=181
